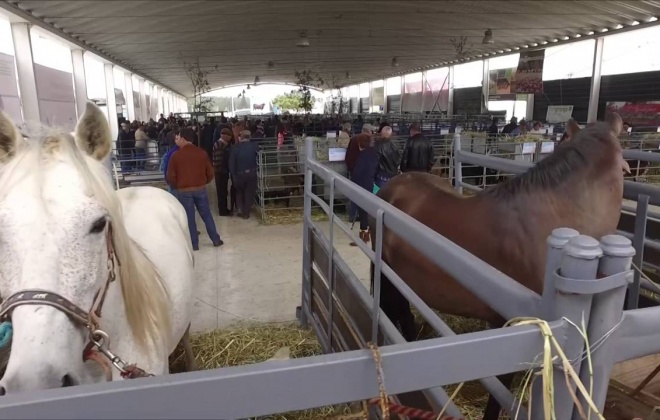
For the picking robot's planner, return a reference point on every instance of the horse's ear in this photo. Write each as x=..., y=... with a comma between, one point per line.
x=573, y=128
x=9, y=138
x=615, y=122
x=93, y=133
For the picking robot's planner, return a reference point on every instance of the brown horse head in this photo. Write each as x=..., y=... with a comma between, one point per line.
x=615, y=122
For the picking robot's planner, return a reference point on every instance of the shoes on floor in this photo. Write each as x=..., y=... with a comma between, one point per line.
x=225, y=213
x=217, y=244
x=195, y=248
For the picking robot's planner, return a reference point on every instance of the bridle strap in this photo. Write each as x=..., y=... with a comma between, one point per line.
x=89, y=319
x=44, y=297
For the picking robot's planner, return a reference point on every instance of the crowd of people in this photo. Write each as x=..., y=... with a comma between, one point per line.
x=372, y=159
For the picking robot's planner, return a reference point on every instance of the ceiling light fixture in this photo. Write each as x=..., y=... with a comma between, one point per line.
x=525, y=46
x=634, y=23
x=348, y=75
x=590, y=33
x=534, y=44
x=488, y=37
x=507, y=49
x=395, y=62
x=516, y=48
x=248, y=87
x=578, y=35
x=566, y=38
x=303, y=41
x=544, y=42
x=619, y=26
x=653, y=19
x=256, y=80
x=271, y=66
x=604, y=30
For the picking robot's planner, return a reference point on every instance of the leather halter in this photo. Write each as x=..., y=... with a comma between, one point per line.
x=89, y=319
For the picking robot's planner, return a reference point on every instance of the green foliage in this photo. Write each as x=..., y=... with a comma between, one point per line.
x=305, y=80
x=292, y=101
x=200, y=84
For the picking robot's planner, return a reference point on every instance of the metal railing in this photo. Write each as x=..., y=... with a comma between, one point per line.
x=507, y=297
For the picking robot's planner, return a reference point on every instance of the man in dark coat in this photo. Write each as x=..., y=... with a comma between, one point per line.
x=418, y=152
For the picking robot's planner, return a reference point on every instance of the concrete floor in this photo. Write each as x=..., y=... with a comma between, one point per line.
x=256, y=274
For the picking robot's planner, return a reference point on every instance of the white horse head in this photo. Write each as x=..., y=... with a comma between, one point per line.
x=56, y=208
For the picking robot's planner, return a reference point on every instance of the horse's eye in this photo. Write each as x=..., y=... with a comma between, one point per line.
x=99, y=225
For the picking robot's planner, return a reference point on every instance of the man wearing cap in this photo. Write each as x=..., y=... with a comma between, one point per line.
x=243, y=168
x=221, y=152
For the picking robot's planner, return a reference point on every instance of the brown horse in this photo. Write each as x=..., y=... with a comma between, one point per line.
x=579, y=186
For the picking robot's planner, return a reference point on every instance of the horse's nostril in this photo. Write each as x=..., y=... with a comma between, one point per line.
x=67, y=381
x=2, y=390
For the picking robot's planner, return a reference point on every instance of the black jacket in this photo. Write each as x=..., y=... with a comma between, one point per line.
x=417, y=155
x=389, y=158
x=243, y=158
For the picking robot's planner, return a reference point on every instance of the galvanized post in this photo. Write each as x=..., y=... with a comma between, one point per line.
x=458, y=171
x=331, y=265
x=579, y=262
x=378, y=263
x=606, y=313
x=556, y=242
x=307, y=220
x=641, y=216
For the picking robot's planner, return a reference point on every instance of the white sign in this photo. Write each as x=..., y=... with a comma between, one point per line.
x=459, y=130
x=547, y=147
x=331, y=135
x=528, y=148
x=444, y=131
x=559, y=113
x=336, y=154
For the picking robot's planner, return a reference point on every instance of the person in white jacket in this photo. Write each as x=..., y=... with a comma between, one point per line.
x=141, y=139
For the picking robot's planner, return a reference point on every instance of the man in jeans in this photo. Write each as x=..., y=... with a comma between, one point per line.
x=243, y=168
x=188, y=172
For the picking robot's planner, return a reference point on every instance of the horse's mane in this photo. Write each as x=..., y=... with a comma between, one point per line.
x=145, y=297
x=568, y=161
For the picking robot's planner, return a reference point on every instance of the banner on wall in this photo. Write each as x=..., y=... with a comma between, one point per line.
x=502, y=84
x=57, y=103
x=529, y=74
x=136, y=99
x=559, y=113
x=9, y=100
x=645, y=113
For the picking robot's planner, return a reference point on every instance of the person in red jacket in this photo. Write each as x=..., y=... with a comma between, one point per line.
x=188, y=172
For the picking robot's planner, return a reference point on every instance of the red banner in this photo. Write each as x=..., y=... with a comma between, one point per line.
x=637, y=113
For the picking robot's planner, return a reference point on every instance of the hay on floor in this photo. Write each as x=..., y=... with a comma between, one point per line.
x=248, y=343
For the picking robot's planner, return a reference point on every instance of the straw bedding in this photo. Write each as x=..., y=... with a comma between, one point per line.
x=247, y=343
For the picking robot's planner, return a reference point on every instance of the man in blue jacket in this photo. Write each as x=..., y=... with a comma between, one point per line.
x=364, y=175
x=166, y=161
x=243, y=169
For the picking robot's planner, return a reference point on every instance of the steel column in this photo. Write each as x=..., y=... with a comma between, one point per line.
x=27, y=82
x=307, y=222
x=458, y=166
x=128, y=87
x=79, y=80
x=450, y=100
x=144, y=115
x=594, y=92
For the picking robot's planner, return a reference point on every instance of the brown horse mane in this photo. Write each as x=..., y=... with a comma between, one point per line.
x=568, y=161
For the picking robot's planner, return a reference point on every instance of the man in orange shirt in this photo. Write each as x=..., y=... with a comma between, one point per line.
x=188, y=172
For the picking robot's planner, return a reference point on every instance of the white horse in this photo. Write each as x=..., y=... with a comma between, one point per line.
x=61, y=226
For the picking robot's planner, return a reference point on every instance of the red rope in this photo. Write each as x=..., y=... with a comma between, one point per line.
x=412, y=412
